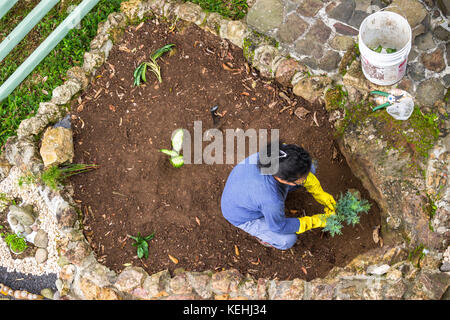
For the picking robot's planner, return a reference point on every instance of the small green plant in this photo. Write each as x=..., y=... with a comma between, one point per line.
x=348, y=208
x=139, y=73
x=15, y=242
x=142, y=244
x=26, y=179
x=176, y=159
x=54, y=175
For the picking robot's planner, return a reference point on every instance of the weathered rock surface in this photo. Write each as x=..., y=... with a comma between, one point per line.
x=57, y=146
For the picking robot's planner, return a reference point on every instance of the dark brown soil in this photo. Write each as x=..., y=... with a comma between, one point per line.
x=121, y=128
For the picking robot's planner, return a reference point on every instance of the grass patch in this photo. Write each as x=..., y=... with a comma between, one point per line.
x=234, y=9
x=50, y=73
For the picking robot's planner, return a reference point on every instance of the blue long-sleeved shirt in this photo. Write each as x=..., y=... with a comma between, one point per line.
x=250, y=195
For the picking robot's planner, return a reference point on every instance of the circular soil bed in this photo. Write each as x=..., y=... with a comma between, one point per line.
x=121, y=128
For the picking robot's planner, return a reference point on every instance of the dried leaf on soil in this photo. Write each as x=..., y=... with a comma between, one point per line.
x=197, y=220
x=376, y=234
x=236, y=250
x=315, y=119
x=304, y=270
x=174, y=260
x=301, y=112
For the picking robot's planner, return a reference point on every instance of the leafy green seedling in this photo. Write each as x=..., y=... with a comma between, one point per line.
x=15, y=242
x=142, y=244
x=348, y=208
x=140, y=72
x=176, y=159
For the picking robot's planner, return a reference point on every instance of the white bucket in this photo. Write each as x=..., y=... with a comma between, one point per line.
x=390, y=30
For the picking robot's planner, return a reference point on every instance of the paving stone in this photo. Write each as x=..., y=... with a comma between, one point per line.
x=429, y=91
x=342, y=43
x=265, y=15
x=434, y=61
x=319, y=31
x=446, y=80
x=413, y=10
x=309, y=8
x=357, y=18
x=362, y=5
x=310, y=62
x=425, y=41
x=441, y=33
x=416, y=71
x=293, y=28
x=309, y=46
x=330, y=61
x=344, y=11
x=345, y=30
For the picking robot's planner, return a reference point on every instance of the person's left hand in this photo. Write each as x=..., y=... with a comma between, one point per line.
x=327, y=200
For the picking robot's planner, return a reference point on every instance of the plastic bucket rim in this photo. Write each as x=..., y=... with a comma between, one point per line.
x=381, y=56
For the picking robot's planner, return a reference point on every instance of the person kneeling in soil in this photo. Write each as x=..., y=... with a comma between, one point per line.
x=254, y=202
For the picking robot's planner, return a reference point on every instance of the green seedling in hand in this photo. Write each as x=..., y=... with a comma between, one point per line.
x=140, y=72
x=348, y=208
x=142, y=244
x=176, y=159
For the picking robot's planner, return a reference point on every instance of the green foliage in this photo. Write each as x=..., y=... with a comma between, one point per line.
x=348, y=208
x=234, y=9
x=139, y=73
x=54, y=175
x=176, y=159
x=28, y=178
x=142, y=244
x=49, y=74
x=15, y=242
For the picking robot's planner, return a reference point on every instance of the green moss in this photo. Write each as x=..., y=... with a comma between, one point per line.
x=253, y=41
x=336, y=98
x=414, y=137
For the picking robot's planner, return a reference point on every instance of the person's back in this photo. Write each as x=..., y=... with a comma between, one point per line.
x=254, y=202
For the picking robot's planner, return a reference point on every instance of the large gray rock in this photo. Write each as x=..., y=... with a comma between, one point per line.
x=265, y=15
x=23, y=154
x=24, y=215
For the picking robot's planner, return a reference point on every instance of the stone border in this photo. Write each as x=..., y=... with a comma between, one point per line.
x=383, y=273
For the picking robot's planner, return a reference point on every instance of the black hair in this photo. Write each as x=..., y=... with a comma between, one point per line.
x=294, y=162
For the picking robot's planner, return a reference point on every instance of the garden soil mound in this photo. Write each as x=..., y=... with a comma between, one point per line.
x=121, y=128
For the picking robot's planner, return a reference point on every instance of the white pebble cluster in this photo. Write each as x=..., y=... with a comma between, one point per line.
x=30, y=194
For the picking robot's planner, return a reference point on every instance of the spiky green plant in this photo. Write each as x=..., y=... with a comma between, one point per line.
x=348, y=208
x=54, y=175
x=140, y=72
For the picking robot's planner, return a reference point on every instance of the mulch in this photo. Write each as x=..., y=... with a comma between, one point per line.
x=121, y=128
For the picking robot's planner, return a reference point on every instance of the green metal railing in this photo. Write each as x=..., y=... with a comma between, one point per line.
x=46, y=46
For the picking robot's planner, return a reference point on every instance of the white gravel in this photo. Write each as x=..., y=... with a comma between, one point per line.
x=30, y=194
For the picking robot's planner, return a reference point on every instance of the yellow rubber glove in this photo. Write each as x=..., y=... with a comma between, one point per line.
x=315, y=221
x=312, y=185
